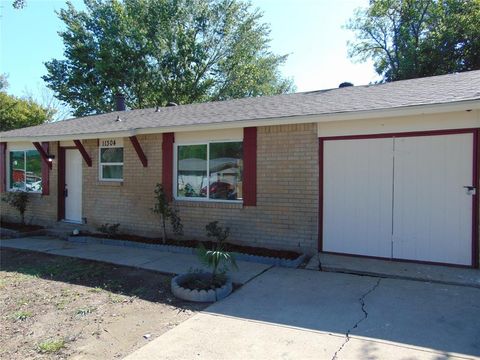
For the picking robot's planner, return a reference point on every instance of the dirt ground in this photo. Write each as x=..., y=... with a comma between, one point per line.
x=54, y=307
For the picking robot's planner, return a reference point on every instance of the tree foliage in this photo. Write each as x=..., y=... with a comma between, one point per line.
x=417, y=38
x=19, y=4
x=17, y=113
x=157, y=51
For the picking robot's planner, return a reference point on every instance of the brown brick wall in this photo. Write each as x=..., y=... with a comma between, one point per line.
x=287, y=188
x=129, y=202
x=42, y=209
x=287, y=194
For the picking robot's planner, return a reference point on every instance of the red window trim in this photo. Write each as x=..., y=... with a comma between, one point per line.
x=249, y=166
x=167, y=164
x=45, y=171
x=3, y=167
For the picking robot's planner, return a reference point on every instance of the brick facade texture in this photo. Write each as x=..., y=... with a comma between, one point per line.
x=287, y=193
x=41, y=209
x=286, y=214
x=285, y=217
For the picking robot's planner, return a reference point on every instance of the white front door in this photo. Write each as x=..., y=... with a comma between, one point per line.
x=73, y=185
x=432, y=209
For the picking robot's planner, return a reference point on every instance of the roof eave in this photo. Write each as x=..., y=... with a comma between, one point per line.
x=300, y=119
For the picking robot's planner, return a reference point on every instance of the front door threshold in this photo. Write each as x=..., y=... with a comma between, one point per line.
x=76, y=222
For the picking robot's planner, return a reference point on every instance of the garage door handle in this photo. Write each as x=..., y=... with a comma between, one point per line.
x=470, y=189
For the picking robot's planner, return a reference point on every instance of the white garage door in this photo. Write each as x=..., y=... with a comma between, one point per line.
x=401, y=198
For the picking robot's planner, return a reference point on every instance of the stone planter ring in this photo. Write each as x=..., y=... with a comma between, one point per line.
x=211, y=295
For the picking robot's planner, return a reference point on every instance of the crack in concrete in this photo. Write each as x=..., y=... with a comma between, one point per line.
x=365, y=316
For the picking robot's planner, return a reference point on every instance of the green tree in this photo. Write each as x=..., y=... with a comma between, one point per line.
x=3, y=82
x=19, y=4
x=18, y=113
x=416, y=38
x=157, y=51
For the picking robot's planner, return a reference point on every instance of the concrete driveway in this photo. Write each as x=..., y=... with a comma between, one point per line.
x=302, y=314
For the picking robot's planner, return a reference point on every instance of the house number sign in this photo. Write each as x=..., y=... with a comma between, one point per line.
x=110, y=143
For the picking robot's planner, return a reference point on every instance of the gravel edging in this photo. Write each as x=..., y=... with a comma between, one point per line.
x=186, y=250
x=199, y=295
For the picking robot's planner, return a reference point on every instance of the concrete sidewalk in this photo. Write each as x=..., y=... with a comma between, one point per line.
x=396, y=270
x=301, y=314
x=150, y=259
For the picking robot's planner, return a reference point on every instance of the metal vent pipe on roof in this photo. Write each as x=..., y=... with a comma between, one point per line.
x=120, y=102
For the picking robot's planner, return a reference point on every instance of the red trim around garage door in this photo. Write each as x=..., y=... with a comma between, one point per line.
x=475, y=181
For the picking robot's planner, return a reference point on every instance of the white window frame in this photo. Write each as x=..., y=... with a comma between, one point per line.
x=24, y=149
x=118, y=144
x=175, y=172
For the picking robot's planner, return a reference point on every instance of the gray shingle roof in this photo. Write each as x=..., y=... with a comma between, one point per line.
x=425, y=91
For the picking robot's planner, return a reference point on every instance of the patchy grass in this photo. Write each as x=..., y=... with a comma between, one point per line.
x=84, y=311
x=51, y=346
x=57, y=307
x=22, y=315
x=95, y=289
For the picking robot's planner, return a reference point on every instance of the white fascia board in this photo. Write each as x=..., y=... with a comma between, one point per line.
x=288, y=120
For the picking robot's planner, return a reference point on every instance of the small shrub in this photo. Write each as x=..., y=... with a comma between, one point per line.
x=217, y=232
x=51, y=346
x=166, y=212
x=218, y=255
x=199, y=283
x=19, y=201
x=22, y=315
x=109, y=229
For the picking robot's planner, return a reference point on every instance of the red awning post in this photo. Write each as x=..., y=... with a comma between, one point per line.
x=84, y=153
x=43, y=154
x=139, y=150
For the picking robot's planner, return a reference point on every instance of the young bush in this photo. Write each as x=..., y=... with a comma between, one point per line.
x=166, y=212
x=19, y=201
x=109, y=229
x=218, y=255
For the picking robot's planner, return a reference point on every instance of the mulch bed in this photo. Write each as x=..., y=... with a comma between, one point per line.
x=20, y=227
x=249, y=250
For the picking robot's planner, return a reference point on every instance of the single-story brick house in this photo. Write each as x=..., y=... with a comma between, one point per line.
x=388, y=170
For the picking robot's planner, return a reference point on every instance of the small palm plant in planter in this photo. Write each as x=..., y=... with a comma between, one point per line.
x=208, y=286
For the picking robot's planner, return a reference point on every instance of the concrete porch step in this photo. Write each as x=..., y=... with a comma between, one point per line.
x=64, y=229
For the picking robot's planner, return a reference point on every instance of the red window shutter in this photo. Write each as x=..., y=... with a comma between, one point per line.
x=3, y=167
x=167, y=164
x=250, y=166
x=45, y=172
